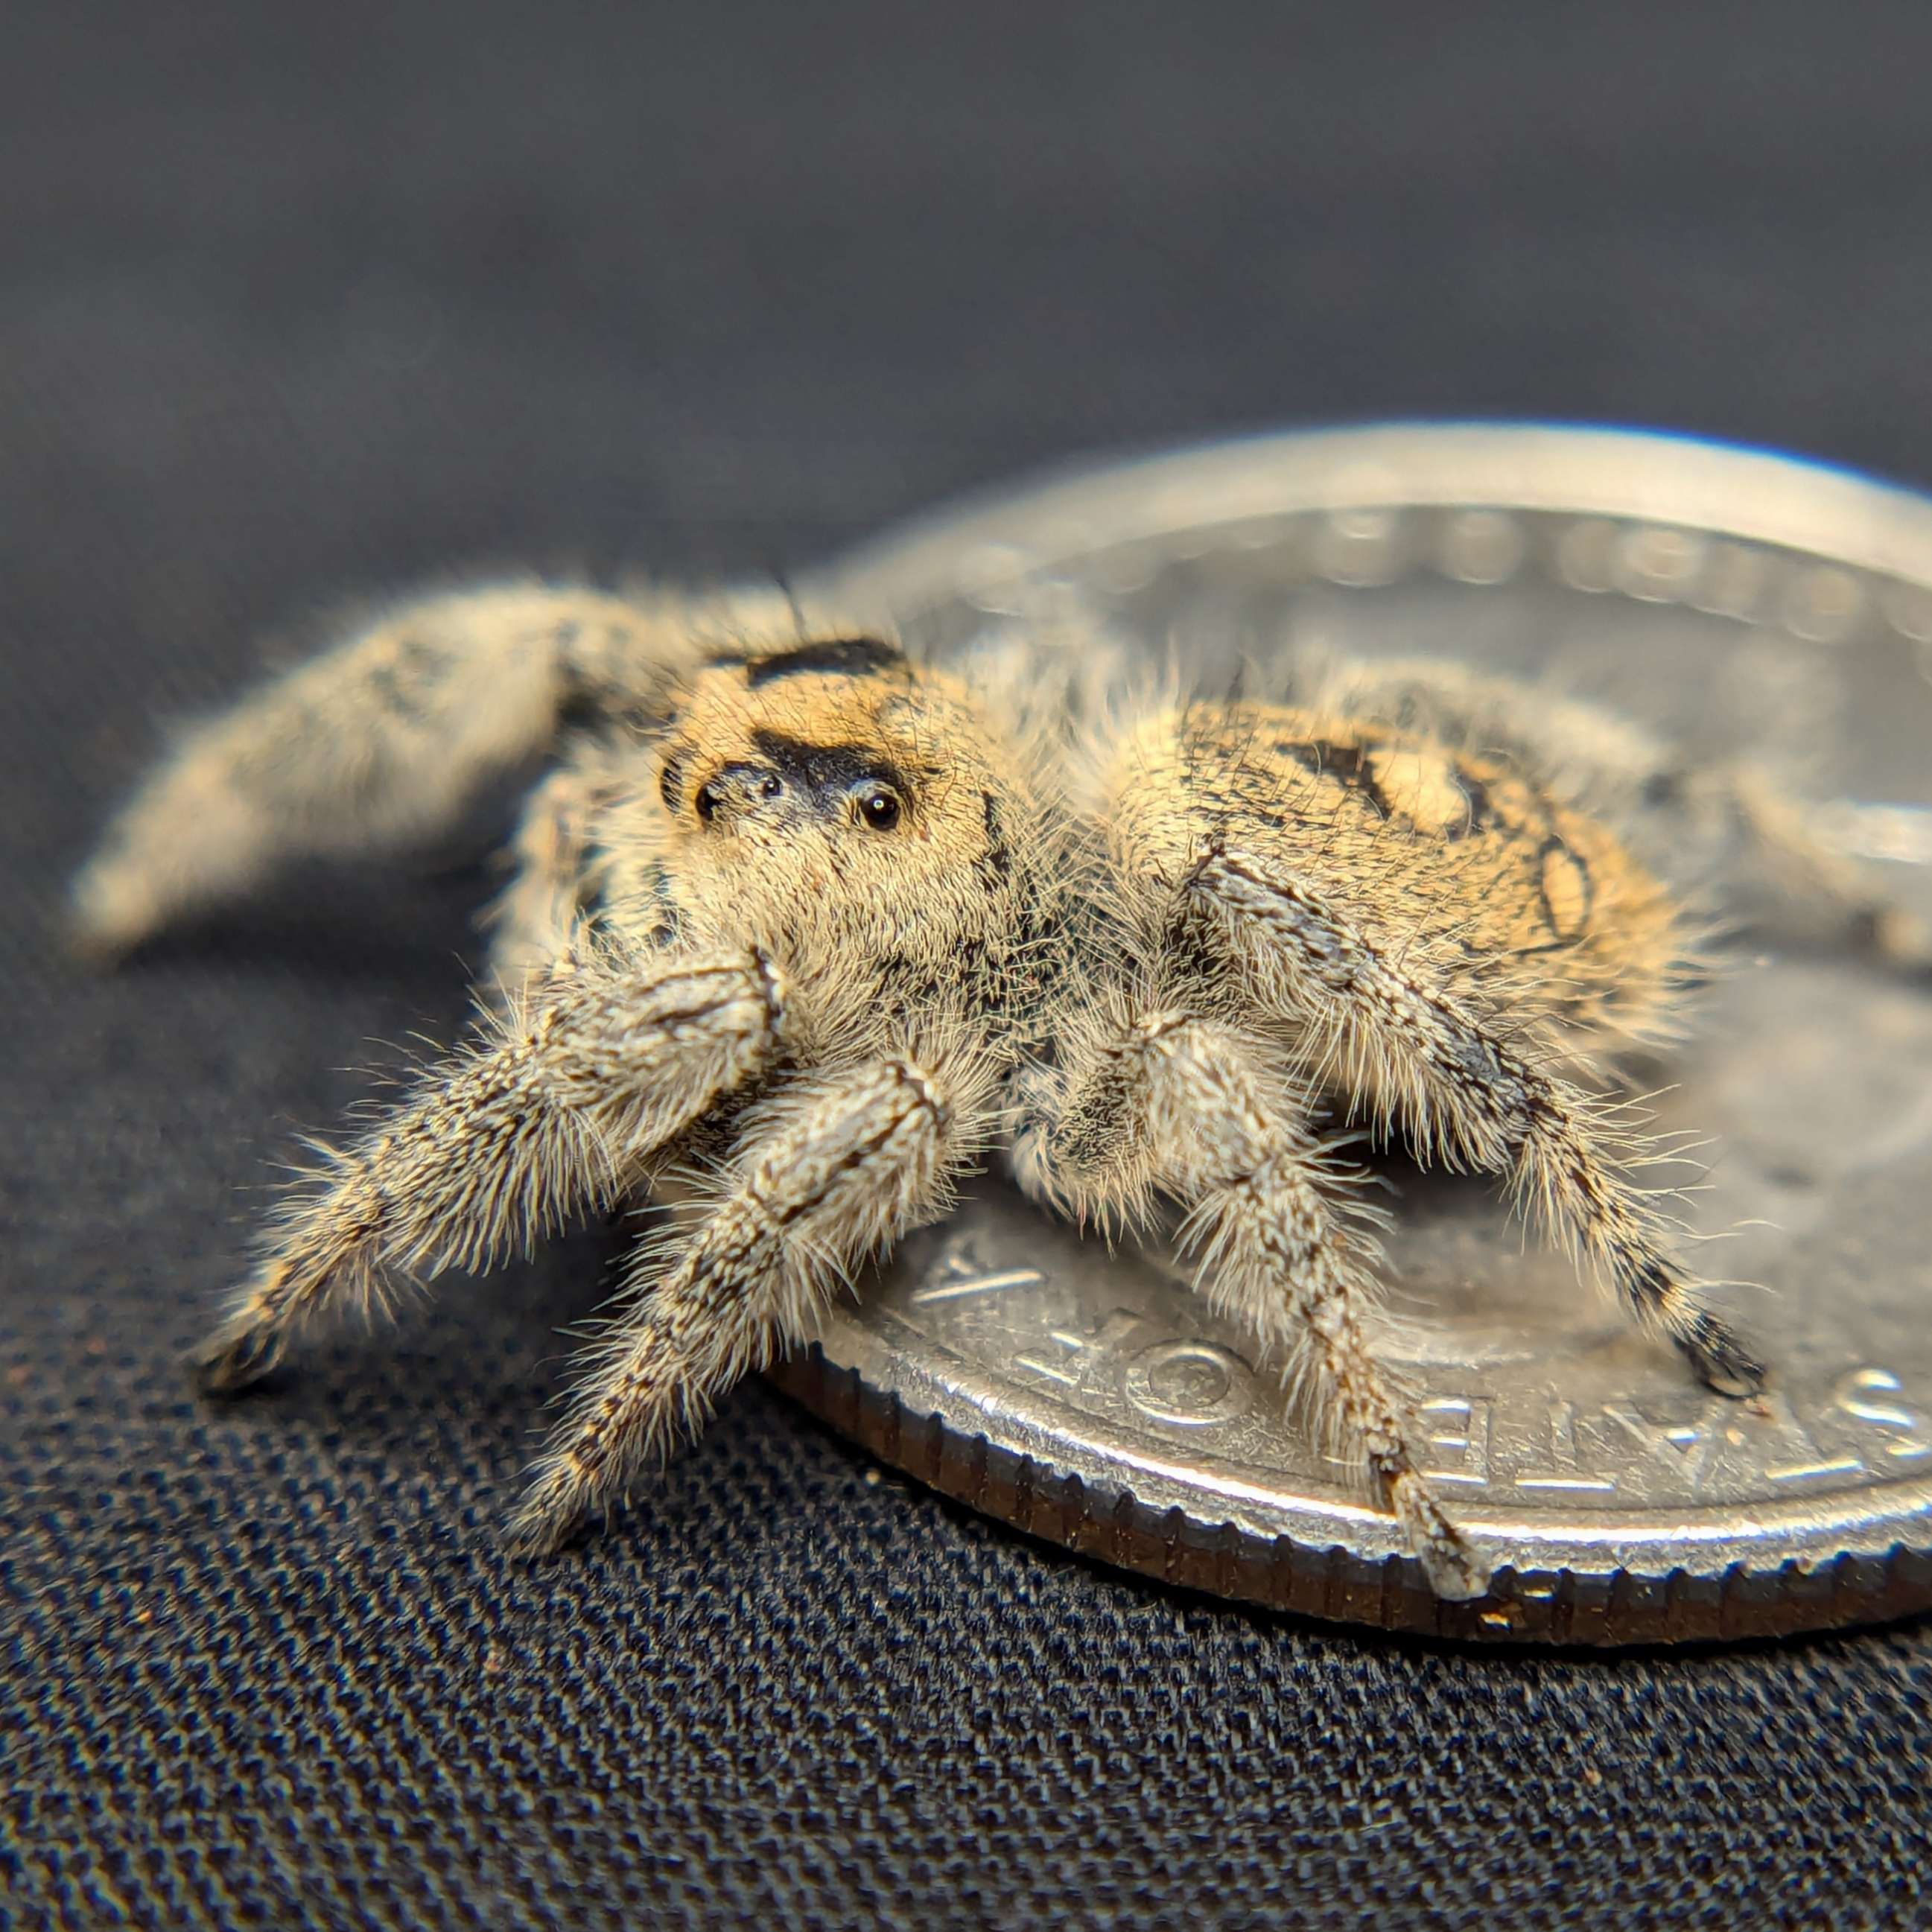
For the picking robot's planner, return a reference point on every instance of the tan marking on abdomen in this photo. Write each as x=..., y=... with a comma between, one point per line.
x=1565, y=885
x=1419, y=783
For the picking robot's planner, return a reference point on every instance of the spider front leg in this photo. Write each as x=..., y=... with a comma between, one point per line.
x=1188, y=1108
x=831, y=1172
x=381, y=742
x=1463, y=1089
x=552, y=1114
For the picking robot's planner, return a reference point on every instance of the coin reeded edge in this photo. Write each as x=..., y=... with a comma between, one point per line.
x=1618, y=1602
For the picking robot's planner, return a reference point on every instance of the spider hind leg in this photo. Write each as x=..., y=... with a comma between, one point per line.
x=1466, y=1092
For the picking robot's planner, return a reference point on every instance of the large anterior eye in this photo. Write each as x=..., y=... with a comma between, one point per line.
x=879, y=807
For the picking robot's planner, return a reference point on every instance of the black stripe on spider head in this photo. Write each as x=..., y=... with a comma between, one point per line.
x=831, y=657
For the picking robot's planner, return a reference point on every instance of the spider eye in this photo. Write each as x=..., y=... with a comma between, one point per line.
x=880, y=807
x=707, y=803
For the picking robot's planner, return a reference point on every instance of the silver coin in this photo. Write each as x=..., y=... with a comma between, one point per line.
x=1093, y=1399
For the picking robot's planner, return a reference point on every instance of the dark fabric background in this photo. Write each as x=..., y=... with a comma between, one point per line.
x=300, y=301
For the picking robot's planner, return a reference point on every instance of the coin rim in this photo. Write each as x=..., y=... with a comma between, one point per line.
x=1718, y=489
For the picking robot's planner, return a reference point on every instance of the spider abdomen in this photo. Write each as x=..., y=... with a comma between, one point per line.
x=1517, y=899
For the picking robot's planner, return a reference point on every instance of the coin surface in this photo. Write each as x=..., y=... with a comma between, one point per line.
x=1094, y=1400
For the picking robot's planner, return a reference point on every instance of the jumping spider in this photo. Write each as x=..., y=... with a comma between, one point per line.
x=801, y=925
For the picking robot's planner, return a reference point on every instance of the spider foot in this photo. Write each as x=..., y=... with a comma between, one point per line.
x=234, y=1359
x=1457, y=1571
x=1720, y=1359
x=551, y=1517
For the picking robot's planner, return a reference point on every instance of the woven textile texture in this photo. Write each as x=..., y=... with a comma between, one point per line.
x=297, y=302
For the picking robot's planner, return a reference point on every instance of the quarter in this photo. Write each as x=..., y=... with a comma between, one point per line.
x=1092, y=1398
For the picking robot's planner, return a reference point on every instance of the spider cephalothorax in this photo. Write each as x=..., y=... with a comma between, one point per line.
x=824, y=924
x=830, y=802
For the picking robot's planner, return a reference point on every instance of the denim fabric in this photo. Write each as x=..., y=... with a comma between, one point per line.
x=296, y=302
